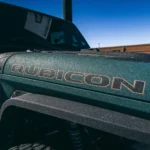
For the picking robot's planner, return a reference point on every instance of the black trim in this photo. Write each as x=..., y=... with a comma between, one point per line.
x=102, y=119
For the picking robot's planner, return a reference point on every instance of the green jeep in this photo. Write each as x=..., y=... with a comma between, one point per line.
x=55, y=93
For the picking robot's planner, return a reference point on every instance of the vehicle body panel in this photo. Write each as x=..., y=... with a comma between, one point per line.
x=77, y=89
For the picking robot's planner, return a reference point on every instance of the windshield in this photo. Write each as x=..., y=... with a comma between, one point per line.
x=65, y=35
x=34, y=30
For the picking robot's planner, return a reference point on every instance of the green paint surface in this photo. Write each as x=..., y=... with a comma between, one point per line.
x=128, y=70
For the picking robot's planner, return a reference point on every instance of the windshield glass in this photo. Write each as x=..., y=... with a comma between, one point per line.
x=35, y=30
x=65, y=35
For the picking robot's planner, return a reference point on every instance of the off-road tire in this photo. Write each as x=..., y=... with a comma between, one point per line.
x=34, y=146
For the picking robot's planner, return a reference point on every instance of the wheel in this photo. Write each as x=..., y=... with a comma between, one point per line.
x=30, y=146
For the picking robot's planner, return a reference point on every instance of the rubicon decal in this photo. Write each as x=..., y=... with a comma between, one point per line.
x=102, y=81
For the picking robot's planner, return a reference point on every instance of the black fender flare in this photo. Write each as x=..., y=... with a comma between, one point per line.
x=95, y=117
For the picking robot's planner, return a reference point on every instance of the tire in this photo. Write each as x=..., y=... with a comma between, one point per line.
x=34, y=146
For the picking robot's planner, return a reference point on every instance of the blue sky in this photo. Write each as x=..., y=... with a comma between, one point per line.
x=108, y=22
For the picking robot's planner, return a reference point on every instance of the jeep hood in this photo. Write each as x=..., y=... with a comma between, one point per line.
x=120, y=79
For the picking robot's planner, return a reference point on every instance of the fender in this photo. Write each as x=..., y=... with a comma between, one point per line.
x=95, y=117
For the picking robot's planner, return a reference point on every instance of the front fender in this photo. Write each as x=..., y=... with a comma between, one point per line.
x=95, y=117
